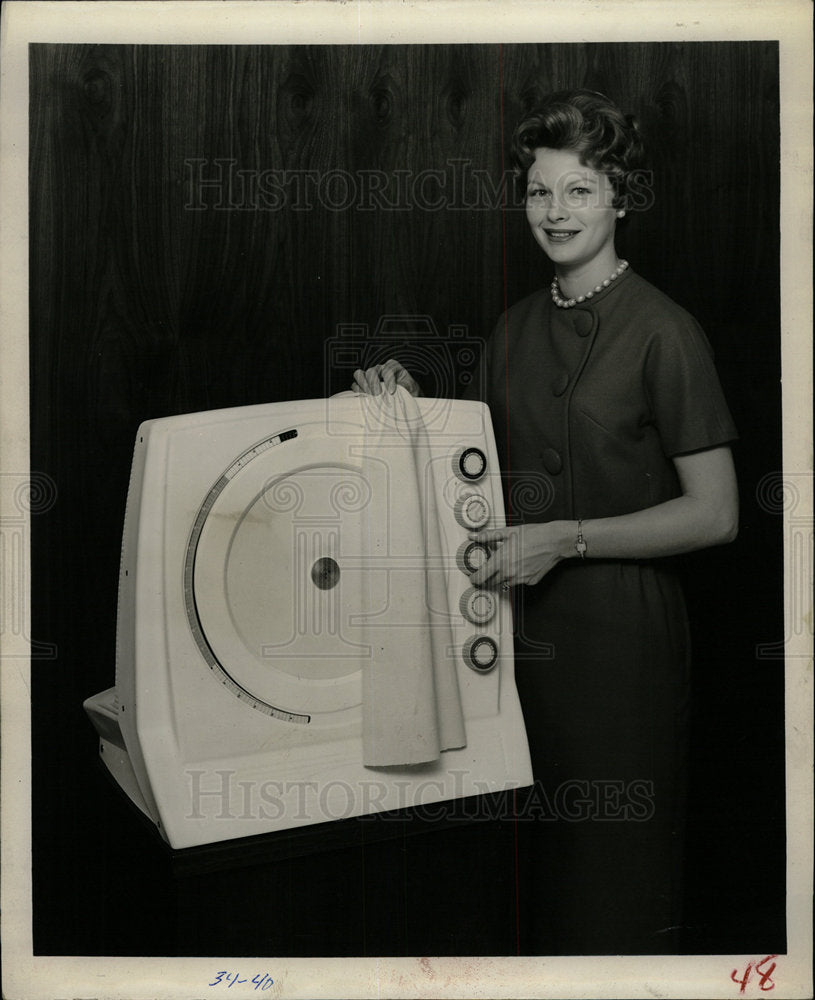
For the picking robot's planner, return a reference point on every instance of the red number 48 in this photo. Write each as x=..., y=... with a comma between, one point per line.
x=765, y=981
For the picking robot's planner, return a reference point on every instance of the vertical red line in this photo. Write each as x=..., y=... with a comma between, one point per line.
x=506, y=391
x=504, y=266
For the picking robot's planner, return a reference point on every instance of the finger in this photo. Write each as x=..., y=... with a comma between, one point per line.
x=479, y=576
x=491, y=573
x=391, y=371
x=373, y=380
x=482, y=577
x=404, y=378
x=490, y=536
x=407, y=381
x=365, y=381
x=512, y=554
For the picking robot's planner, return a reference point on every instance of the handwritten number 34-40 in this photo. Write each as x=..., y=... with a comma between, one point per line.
x=229, y=979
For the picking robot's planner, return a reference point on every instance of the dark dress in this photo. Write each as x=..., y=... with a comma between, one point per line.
x=589, y=405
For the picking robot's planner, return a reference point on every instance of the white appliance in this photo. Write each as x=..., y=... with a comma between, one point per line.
x=246, y=601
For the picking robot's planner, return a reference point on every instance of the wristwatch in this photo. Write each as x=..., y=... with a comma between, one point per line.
x=580, y=545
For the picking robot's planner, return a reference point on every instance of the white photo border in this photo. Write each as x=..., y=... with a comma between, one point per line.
x=426, y=21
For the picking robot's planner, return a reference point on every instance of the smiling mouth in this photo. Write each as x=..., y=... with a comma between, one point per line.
x=560, y=235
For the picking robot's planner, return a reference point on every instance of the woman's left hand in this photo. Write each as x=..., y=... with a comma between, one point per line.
x=523, y=554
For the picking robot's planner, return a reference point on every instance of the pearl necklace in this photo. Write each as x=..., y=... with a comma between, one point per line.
x=562, y=303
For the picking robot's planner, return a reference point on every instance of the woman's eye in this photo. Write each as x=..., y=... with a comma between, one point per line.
x=581, y=191
x=537, y=193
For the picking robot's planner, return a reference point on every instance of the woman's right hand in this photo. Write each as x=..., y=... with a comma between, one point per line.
x=391, y=374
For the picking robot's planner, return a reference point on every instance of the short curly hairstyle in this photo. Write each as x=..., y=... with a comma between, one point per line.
x=591, y=125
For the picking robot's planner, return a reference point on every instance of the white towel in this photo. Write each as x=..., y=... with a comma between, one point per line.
x=411, y=708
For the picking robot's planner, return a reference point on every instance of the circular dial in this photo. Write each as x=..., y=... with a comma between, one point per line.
x=477, y=605
x=471, y=556
x=472, y=511
x=470, y=464
x=480, y=653
x=267, y=581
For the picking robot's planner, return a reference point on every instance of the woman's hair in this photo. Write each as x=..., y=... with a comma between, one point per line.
x=590, y=125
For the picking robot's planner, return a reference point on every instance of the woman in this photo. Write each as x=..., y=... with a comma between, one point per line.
x=613, y=434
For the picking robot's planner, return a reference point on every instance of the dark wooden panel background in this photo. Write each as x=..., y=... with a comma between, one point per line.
x=142, y=306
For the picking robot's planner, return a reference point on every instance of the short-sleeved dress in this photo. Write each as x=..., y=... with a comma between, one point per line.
x=589, y=406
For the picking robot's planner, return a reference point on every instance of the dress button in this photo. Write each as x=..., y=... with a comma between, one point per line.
x=560, y=383
x=552, y=461
x=583, y=322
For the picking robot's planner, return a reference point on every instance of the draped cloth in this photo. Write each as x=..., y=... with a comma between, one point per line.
x=411, y=707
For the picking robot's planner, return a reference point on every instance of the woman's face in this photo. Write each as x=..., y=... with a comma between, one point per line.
x=570, y=209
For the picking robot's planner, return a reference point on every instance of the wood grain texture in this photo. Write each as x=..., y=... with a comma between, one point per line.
x=205, y=221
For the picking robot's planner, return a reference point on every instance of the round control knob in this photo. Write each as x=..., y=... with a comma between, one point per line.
x=472, y=511
x=480, y=653
x=469, y=464
x=477, y=605
x=471, y=556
